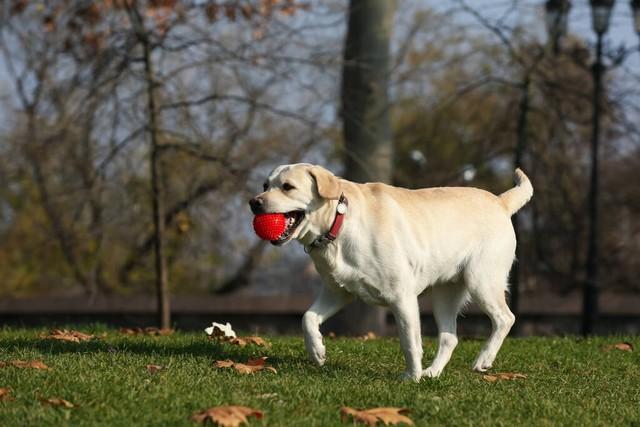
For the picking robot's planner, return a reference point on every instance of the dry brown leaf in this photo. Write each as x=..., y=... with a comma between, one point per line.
x=5, y=394
x=66, y=335
x=154, y=368
x=622, y=346
x=256, y=341
x=387, y=416
x=152, y=331
x=260, y=361
x=225, y=363
x=242, y=341
x=503, y=376
x=252, y=365
x=226, y=416
x=35, y=364
x=56, y=401
x=245, y=369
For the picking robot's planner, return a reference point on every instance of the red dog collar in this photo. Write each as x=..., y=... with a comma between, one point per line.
x=333, y=232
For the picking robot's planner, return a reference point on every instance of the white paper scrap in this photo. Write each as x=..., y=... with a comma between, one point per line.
x=220, y=330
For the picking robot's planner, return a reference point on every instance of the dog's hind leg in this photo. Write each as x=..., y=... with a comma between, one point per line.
x=447, y=300
x=486, y=276
x=491, y=300
x=328, y=303
x=407, y=315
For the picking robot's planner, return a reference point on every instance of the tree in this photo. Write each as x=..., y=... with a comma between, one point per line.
x=365, y=116
x=128, y=67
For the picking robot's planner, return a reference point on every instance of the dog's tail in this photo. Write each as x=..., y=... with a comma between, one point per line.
x=519, y=195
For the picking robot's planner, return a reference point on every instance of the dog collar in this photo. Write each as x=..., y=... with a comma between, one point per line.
x=332, y=234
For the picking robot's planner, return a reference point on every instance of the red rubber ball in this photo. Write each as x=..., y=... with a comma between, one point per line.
x=269, y=226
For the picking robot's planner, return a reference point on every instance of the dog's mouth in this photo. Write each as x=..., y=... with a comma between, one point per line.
x=294, y=218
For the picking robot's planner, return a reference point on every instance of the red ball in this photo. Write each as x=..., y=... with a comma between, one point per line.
x=269, y=226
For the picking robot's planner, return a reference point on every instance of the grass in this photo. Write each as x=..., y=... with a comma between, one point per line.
x=570, y=382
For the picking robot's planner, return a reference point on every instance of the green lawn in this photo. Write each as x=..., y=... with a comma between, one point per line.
x=570, y=382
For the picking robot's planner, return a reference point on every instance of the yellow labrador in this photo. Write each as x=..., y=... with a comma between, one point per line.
x=386, y=245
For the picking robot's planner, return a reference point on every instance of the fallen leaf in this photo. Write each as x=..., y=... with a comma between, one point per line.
x=226, y=416
x=387, y=416
x=5, y=394
x=243, y=341
x=151, y=331
x=622, y=346
x=154, y=368
x=260, y=361
x=368, y=336
x=503, y=376
x=225, y=363
x=56, y=401
x=35, y=364
x=65, y=335
x=252, y=365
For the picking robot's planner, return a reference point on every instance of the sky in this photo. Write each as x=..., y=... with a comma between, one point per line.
x=621, y=31
x=621, y=28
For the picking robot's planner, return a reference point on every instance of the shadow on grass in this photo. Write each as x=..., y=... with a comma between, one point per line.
x=154, y=346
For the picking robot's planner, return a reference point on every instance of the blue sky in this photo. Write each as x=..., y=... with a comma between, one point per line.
x=526, y=13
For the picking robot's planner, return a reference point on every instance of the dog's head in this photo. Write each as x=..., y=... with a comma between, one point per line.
x=298, y=191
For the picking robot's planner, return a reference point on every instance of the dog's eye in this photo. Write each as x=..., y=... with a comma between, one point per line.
x=265, y=186
x=288, y=187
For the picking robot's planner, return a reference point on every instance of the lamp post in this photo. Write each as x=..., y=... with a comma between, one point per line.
x=556, y=20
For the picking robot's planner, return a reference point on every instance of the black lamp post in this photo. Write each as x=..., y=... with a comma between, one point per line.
x=556, y=20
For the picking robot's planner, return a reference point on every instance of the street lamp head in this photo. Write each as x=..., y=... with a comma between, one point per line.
x=600, y=15
x=556, y=18
x=635, y=8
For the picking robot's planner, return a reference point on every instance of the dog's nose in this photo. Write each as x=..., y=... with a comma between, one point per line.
x=257, y=205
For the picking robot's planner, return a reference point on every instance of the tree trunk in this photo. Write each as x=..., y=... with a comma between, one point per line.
x=366, y=121
x=160, y=256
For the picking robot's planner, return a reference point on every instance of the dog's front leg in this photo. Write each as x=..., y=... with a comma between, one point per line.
x=328, y=303
x=407, y=314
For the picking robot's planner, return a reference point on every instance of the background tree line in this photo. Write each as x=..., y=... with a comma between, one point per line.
x=133, y=133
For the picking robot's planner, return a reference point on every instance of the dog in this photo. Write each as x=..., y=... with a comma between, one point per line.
x=386, y=245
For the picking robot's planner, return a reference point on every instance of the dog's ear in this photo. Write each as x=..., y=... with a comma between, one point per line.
x=327, y=183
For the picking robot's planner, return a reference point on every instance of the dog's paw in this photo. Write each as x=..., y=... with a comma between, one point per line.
x=317, y=353
x=318, y=356
x=482, y=365
x=431, y=372
x=410, y=376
